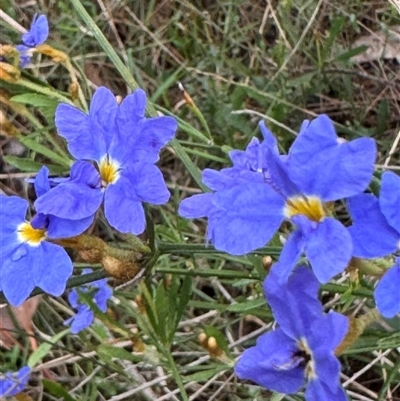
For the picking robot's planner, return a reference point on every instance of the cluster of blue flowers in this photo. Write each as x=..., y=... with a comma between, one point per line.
x=246, y=207
x=116, y=147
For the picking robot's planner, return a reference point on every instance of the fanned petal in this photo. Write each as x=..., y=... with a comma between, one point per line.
x=314, y=137
x=196, y=206
x=146, y=182
x=271, y=363
x=389, y=199
x=123, y=213
x=41, y=183
x=64, y=228
x=12, y=213
x=329, y=249
x=245, y=218
x=72, y=201
x=289, y=256
x=295, y=304
x=19, y=265
x=103, y=111
x=82, y=136
x=321, y=165
x=132, y=108
x=368, y=221
x=38, y=33
x=387, y=292
x=317, y=391
x=51, y=269
x=76, y=199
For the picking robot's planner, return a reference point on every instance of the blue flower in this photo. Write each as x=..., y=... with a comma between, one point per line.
x=36, y=35
x=125, y=145
x=28, y=260
x=376, y=233
x=57, y=227
x=229, y=229
x=387, y=292
x=318, y=169
x=372, y=215
x=84, y=316
x=13, y=383
x=301, y=350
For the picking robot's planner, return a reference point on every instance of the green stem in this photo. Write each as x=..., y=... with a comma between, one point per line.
x=179, y=249
x=176, y=375
x=222, y=274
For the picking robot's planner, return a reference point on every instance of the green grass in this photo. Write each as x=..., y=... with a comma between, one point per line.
x=238, y=60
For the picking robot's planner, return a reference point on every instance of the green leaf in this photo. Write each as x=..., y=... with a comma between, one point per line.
x=29, y=166
x=351, y=53
x=46, y=104
x=45, y=348
x=335, y=30
x=43, y=150
x=108, y=352
x=247, y=305
x=56, y=389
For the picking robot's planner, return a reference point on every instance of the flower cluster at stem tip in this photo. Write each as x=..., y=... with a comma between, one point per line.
x=116, y=148
x=246, y=207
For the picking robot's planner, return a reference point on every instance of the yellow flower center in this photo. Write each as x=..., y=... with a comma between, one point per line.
x=109, y=171
x=33, y=236
x=310, y=372
x=309, y=206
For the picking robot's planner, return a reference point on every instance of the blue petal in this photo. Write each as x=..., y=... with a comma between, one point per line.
x=81, y=320
x=322, y=166
x=294, y=304
x=279, y=175
x=229, y=177
x=132, y=108
x=64, y=228
x=317, y=391
x=76, y=199
x=41, y=183
x=142, y=140
x=51, y=268
x=387, y=292
x=271, y=363
x=245, y=218
x=314, y=137
x=389, y=199
x=196, y=206
x=19, y=265
x=269, y=138
x=12, y=214
x=73, y=298
x=329, y=249
x=14, y=382
x=289, y=256
x=103, y=294
x=145, y=181
x=123, y=213
x=38, y=32
x=70, y=201
x=102, y=113
x=25, y=55
x=83, y=135
x=322, y=344
x=368, y=221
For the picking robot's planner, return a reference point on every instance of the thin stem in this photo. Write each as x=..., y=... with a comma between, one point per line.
x=176, y=375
